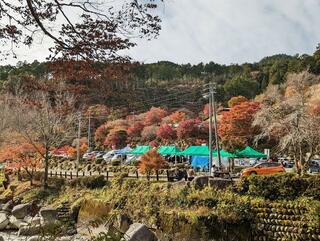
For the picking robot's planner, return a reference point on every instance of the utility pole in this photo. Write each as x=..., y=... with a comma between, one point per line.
x=89, y=132
x=78, y=143
x=210, y=129
x=215, y=127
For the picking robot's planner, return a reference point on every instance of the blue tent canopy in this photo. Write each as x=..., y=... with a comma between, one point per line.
x=124, y=150
x=200, y=161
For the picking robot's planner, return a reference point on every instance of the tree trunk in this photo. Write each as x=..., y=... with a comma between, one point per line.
x=30, y=174
x=46, y=169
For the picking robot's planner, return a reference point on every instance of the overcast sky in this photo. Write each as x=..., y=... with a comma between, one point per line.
x=225, y=31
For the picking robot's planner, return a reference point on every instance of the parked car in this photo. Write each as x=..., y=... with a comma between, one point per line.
x=89, y=155
x=100, y=154
x=288, y=163
x=263, y=169
x=314, y=166
x=108, y=156
x=131, y=158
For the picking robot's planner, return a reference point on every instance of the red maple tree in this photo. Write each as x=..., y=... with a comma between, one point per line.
x=166, y=133
x=154, y=116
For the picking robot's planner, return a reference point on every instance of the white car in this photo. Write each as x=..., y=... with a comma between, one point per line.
x=117, y=157
x=108, y=156
x=132, y=158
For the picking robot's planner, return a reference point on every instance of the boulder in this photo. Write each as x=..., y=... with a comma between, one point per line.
x=35, y=238
x=8, y=206
x=32, y=220
x=17, y=223
x=139, y=232
x=180, y=184
x=21, y=210
x=48, y=215
x=29, y=230
x=220, y=183
x=4, y=221
x=200, y=182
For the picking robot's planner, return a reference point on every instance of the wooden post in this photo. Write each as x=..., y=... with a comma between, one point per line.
x=77, y=174
x=157, y=175
x=50, y=173
x=71, y=175
x=168, y=176
x=137, y=174
x=56, y=174
x=107, y=175
x=83, y=174
x=65, y=174
x=61, y=174
x=90, y=173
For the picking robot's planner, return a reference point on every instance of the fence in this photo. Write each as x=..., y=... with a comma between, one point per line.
x=108, y=175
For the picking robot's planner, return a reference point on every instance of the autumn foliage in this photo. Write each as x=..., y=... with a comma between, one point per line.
x=154, y=116
x=235, y=128
x=166, y=133
x=236, y=101
x=151, y=161
x=177, y=117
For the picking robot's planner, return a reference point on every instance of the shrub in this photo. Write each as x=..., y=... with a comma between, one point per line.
x=56, y=182
x=99, y=160
x=282, y=186
x=93, y=182
x=116, y=163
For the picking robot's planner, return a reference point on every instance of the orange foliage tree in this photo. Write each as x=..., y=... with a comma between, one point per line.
x=24, y=156
x=177, y=117
x=151, y=161
x=235, y=127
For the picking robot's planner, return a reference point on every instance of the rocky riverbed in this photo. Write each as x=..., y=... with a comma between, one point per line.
x=13, y=236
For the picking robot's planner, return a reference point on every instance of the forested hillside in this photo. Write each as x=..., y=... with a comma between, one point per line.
x=137, y=87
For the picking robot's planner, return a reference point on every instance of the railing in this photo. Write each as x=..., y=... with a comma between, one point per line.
x=107, y=174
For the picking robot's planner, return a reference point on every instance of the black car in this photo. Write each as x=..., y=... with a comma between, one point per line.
x=314, y=166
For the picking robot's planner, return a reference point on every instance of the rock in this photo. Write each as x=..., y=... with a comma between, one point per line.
x=4, y=221
x=29, y=230
x=1, y=238
x=17, y=223
x=200, y=182
x=123, y=223
x=48, y=215
x=21, y=210
x=8, y=206
x=32, y=220
x=139, y=232
x=35, y=238
x=220, y=183
x=180, y=184
x=71, y=231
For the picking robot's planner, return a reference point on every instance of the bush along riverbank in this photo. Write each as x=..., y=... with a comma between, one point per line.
x=281, y=207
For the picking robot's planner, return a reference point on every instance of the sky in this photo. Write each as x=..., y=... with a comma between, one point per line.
x=223, y=31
